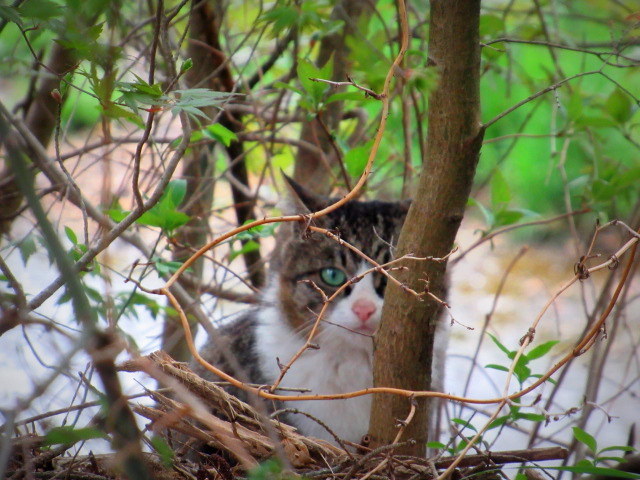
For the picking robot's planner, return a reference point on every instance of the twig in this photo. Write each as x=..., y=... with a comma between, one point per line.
x=367, y=91
x=72, y=408
x=376, y=451
x=585, y=49
x=21, y=299
x=403, y=426
x=471, y=442
x=147, y=130
x=510, y=456
x=538, y=94
x=579, y=350
x=319, y=422
x=508, y=228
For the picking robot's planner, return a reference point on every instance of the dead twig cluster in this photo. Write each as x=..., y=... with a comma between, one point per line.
x=237, y=438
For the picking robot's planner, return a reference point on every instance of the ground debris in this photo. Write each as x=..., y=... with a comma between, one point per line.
x=213, y=435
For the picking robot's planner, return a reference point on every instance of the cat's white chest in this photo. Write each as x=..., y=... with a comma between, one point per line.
x=343, y=363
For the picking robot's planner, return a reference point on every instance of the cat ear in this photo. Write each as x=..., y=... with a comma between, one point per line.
x=300, y=200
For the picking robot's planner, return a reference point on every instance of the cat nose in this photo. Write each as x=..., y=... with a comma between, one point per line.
x=363, y=309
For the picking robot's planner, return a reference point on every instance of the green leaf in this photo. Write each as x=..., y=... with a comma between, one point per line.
x=220, y=133
x=619, y=106
x=117, y=215
x=533, y=417
x=186, y=65
x=282, y=18
x=142, y=86
x=116, y=112
x=619, y=448
x=40, y=9
x=175, y=192
x=250, y=246
x=500, y=193
x=259, y=231
x=436, y=445
x=293, y=88
x=586, y=439
x=268, y=470
x=495, y=366
x=600, y=459
x=541, y=350
x=94, y=294
x=630, y=177
x=163, y=214
x=191, y=100
x=498, y=422
x=596, y=121
x=575, y=105
x=602, y=190
x=307, y=71
x=491, y=25
x=356, y=159
x=27, y=248
x=579, y=182
x=10, y=14
x=71, y=235
x=464, y=423
x=69, y=435
x=163, y=449
x=498, y=344
x=507, y=217
x=493, y=51
x=166, y=268
x=488, y=215
x=167, y=220
x=521, y=371
x=550, y=380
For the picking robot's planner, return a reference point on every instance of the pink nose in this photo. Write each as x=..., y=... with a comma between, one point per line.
x=363, y=309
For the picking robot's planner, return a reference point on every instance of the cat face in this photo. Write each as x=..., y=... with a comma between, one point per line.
x=301, y=258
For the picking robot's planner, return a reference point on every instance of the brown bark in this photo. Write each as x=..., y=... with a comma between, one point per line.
x=197, y=169
x=404, y=343
x=311, y=168
x=204, y=22
x=41, y=119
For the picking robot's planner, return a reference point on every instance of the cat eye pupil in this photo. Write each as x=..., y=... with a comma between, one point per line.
x=333, y=276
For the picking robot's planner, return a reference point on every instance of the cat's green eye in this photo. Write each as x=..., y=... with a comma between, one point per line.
x=333, y=276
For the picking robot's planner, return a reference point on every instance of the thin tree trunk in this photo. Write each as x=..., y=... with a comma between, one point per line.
x=198, y=170
x=41, y=119
x=205, y=22
x=404, y=343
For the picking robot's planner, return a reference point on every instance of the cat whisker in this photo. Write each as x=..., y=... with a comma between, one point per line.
x=370, y=335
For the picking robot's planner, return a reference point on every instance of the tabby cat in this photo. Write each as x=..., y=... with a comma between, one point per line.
x=270, y=335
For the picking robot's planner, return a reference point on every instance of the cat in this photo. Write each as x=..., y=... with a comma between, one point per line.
x=265, y=338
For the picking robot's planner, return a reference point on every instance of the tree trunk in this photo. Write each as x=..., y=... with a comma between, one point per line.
x=41, y=120
x=404, y=343
x=198, y=169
